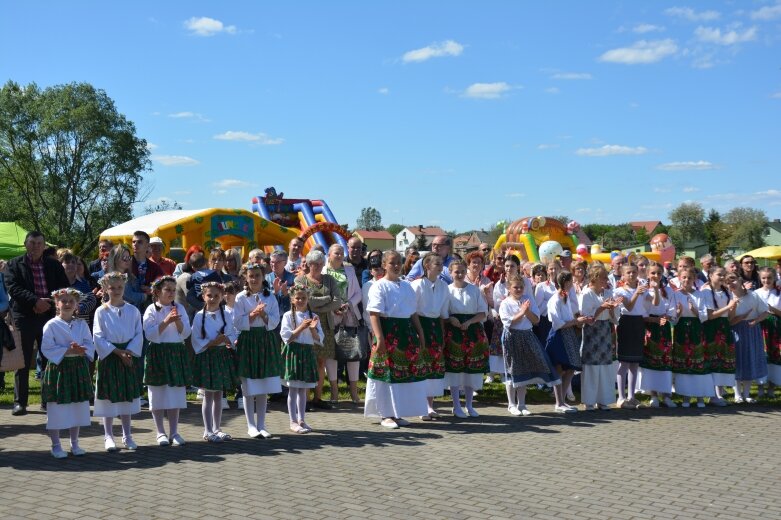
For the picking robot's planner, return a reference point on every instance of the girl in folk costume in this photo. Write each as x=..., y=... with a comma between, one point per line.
x=432, y=298
x=510, y=267
x=66, y=385
x=692, y=377
x=750, y=359
x=598, y=377
x=167, y=367
x=771, y=326
x=466, y=347
x=543, y=292
x=475, y=263
x=256, y=315
x=214, y=371
x=719, y=340
x=119, y=340
x=396, y=386
x=630, y=334
x=656, y=376
x=525, y=360
x=563, y=345
x=300, y=331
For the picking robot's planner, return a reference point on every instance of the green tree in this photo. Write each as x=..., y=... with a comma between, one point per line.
x=370, y=220
x=421, y=243
x=161, y=205
x=70, y=164
x=745, y=228
x=715, y=231
x=641, y=236
x=564, y=219
x=394, y=229
x=687, y=222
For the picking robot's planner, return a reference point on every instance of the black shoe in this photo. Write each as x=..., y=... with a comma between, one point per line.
x=321, y=405
x=19, y=410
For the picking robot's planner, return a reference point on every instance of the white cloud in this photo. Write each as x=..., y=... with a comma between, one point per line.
x=612, y=149
x=661, y=190
x=546, y=146
x=769, y=12
x=435, y=50
x=174, y=160
x=583, y=210
x=732, y=37
x=646, y=28
x=776, y=95
x=183, y=192
x=232, y=183
x=690, y=14
x=690, y=189
x=571, y=75
x=552, y=90
x=641, y=52
x=487, y=90
x=516, y=195
x=687, y=165
x=151, y=146
x=189, y=115
x=384, y=91
x=259, y=138
x=205, y=26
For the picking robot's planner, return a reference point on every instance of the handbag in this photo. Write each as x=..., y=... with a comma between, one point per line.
x=348, y=344
x=12, y=357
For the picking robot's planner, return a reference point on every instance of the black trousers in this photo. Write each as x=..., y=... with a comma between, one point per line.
x=31, y=332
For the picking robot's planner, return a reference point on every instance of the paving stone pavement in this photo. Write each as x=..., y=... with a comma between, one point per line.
x=689, y=464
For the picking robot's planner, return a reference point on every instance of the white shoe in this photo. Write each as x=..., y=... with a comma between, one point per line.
x=459, y=412
x=265, y=434
x=59, y=453
x=162, y=440
x=402, y=422
x=177, y=440
x=200, y=394
x=669, y=403
x=253, y=432
x=110, y=445
x=750, y=400
x=472, y=412
x=654, y=403
x=718, y=401
x=240, y=404
x=564, y=409
x=129, y=444
x=700, y=403
x=738, y=399
x=488, y=379
x=590, y=407
x=389, y=423
x=78, y=451
x=514, y=411
x=524, y=411
x=225, y=405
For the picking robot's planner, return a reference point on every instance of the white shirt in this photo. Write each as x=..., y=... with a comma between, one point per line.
x=542, y=293
x=752, y=304
x=510, y=307
x=664, y=307
x=392, y=299
x=246, y=303
x=58, y=335
x=678, y=297
x=589, y=301
x=288, y=326
x=500, y=292
x=115, y=326
x=432, y=298
x=212, y=322
x=676, y=284
x=155, y=315
x=771, y=298
x=640, y=307
x=713, y=301
x=467, y=300
x=559, y=311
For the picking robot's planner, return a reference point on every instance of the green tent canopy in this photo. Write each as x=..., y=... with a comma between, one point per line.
x=11, y=240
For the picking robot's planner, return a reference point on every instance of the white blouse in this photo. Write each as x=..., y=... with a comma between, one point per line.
x=116, y=325
x=641, y=306
x=306, y=335
x=664, y=307
x=542, y=294
x=510, y=307
x=466, y=300
x=589, y=301
x=678, y=297
x=58, y=335
x=752, y=304
x=713, y=301
x=771, y=298
x=559, y=311
x=155, y=315
x=246, y=303
x=211, y=323
x=432, y=298
x=392, y=299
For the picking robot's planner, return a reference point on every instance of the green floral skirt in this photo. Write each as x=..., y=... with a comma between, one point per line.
x=719, y=346
x=466, y=351
x=260, y=355
x=300, y=363
x=658, y=347
x=116, y=382
x=167, y=364
x=771, y=333
x=215, y=369
x=689, y=348
x=432, y=361
x=401, y=361
x=67, y=382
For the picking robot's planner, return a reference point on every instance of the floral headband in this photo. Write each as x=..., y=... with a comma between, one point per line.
x=161, y=280
x=68, y=291
x=212, y=285
x=114, y=276
x=299, y=288
x=251, y=266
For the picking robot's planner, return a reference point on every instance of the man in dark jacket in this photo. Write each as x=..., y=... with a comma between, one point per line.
x=31, y=279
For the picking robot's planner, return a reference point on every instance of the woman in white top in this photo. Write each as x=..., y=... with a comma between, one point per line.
x=495, y=355
x=630, y=334
x=167, y=366
x=717, y=334
x=432, y=298
x=771, y=326
x=543, y=292
x=395, y=387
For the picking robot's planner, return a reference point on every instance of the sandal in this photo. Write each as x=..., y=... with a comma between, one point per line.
x=162, y=440
x=223, y=436
x=211, y=437
x=296, y=428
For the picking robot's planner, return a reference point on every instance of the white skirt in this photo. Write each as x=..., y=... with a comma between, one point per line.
x=167, y=397
x=267, y=385
x=695, y=385
x=435, y=387
x=660, y=381
x=598, y=384
x=475, y=381
x=105, y=408
x=774, y=373
x=62, y=416
x=296, y=384
x=395, y=399
x=723, y=379
x=496, y=364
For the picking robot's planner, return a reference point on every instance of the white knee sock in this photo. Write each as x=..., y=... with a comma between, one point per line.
x=126, y=432
x=261, y=402
x=108, y=424
x=54, y=435
x=469, y=394
x=206, y=412
x=292, y=404
x=217, y=411
x=74, y=433
x=301, y=400
x=157, y=416
x=455, y=393
x=173, y=420
x=511, y=400
x=520, y=394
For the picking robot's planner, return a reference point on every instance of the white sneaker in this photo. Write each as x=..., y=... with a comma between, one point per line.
x=524, y=411
x=654, y=402
x=253, y=432
x=738, y=399
x=110, y=445
x=514, y=410
x=389, y=423
x=459, y=412
x=265, y=434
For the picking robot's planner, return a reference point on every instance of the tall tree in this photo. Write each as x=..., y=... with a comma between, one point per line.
x=687, y=223
x=714, y=233
x=745, y=228
x=370, y=220
x=394, y=229
x=161, y=205
x=70, y=164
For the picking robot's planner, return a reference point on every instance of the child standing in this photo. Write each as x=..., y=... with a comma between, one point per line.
x=66, y=385
x=771, y=326
x=300, y=330
x=256, y=315
x=167, y=368
x=466, y=350
x=214, y=370
x=719, y=340
x=119, y=341
x=630, y=334
x=543, y=292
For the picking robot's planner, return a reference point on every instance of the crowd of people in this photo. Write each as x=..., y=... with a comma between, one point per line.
x=135, y=328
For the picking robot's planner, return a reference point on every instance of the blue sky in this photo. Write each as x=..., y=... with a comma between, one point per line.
x=455, y=114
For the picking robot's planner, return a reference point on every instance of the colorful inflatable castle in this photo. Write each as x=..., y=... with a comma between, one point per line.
x=312, y=220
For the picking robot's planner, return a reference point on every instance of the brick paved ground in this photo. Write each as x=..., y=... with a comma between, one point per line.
x=711, y=463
